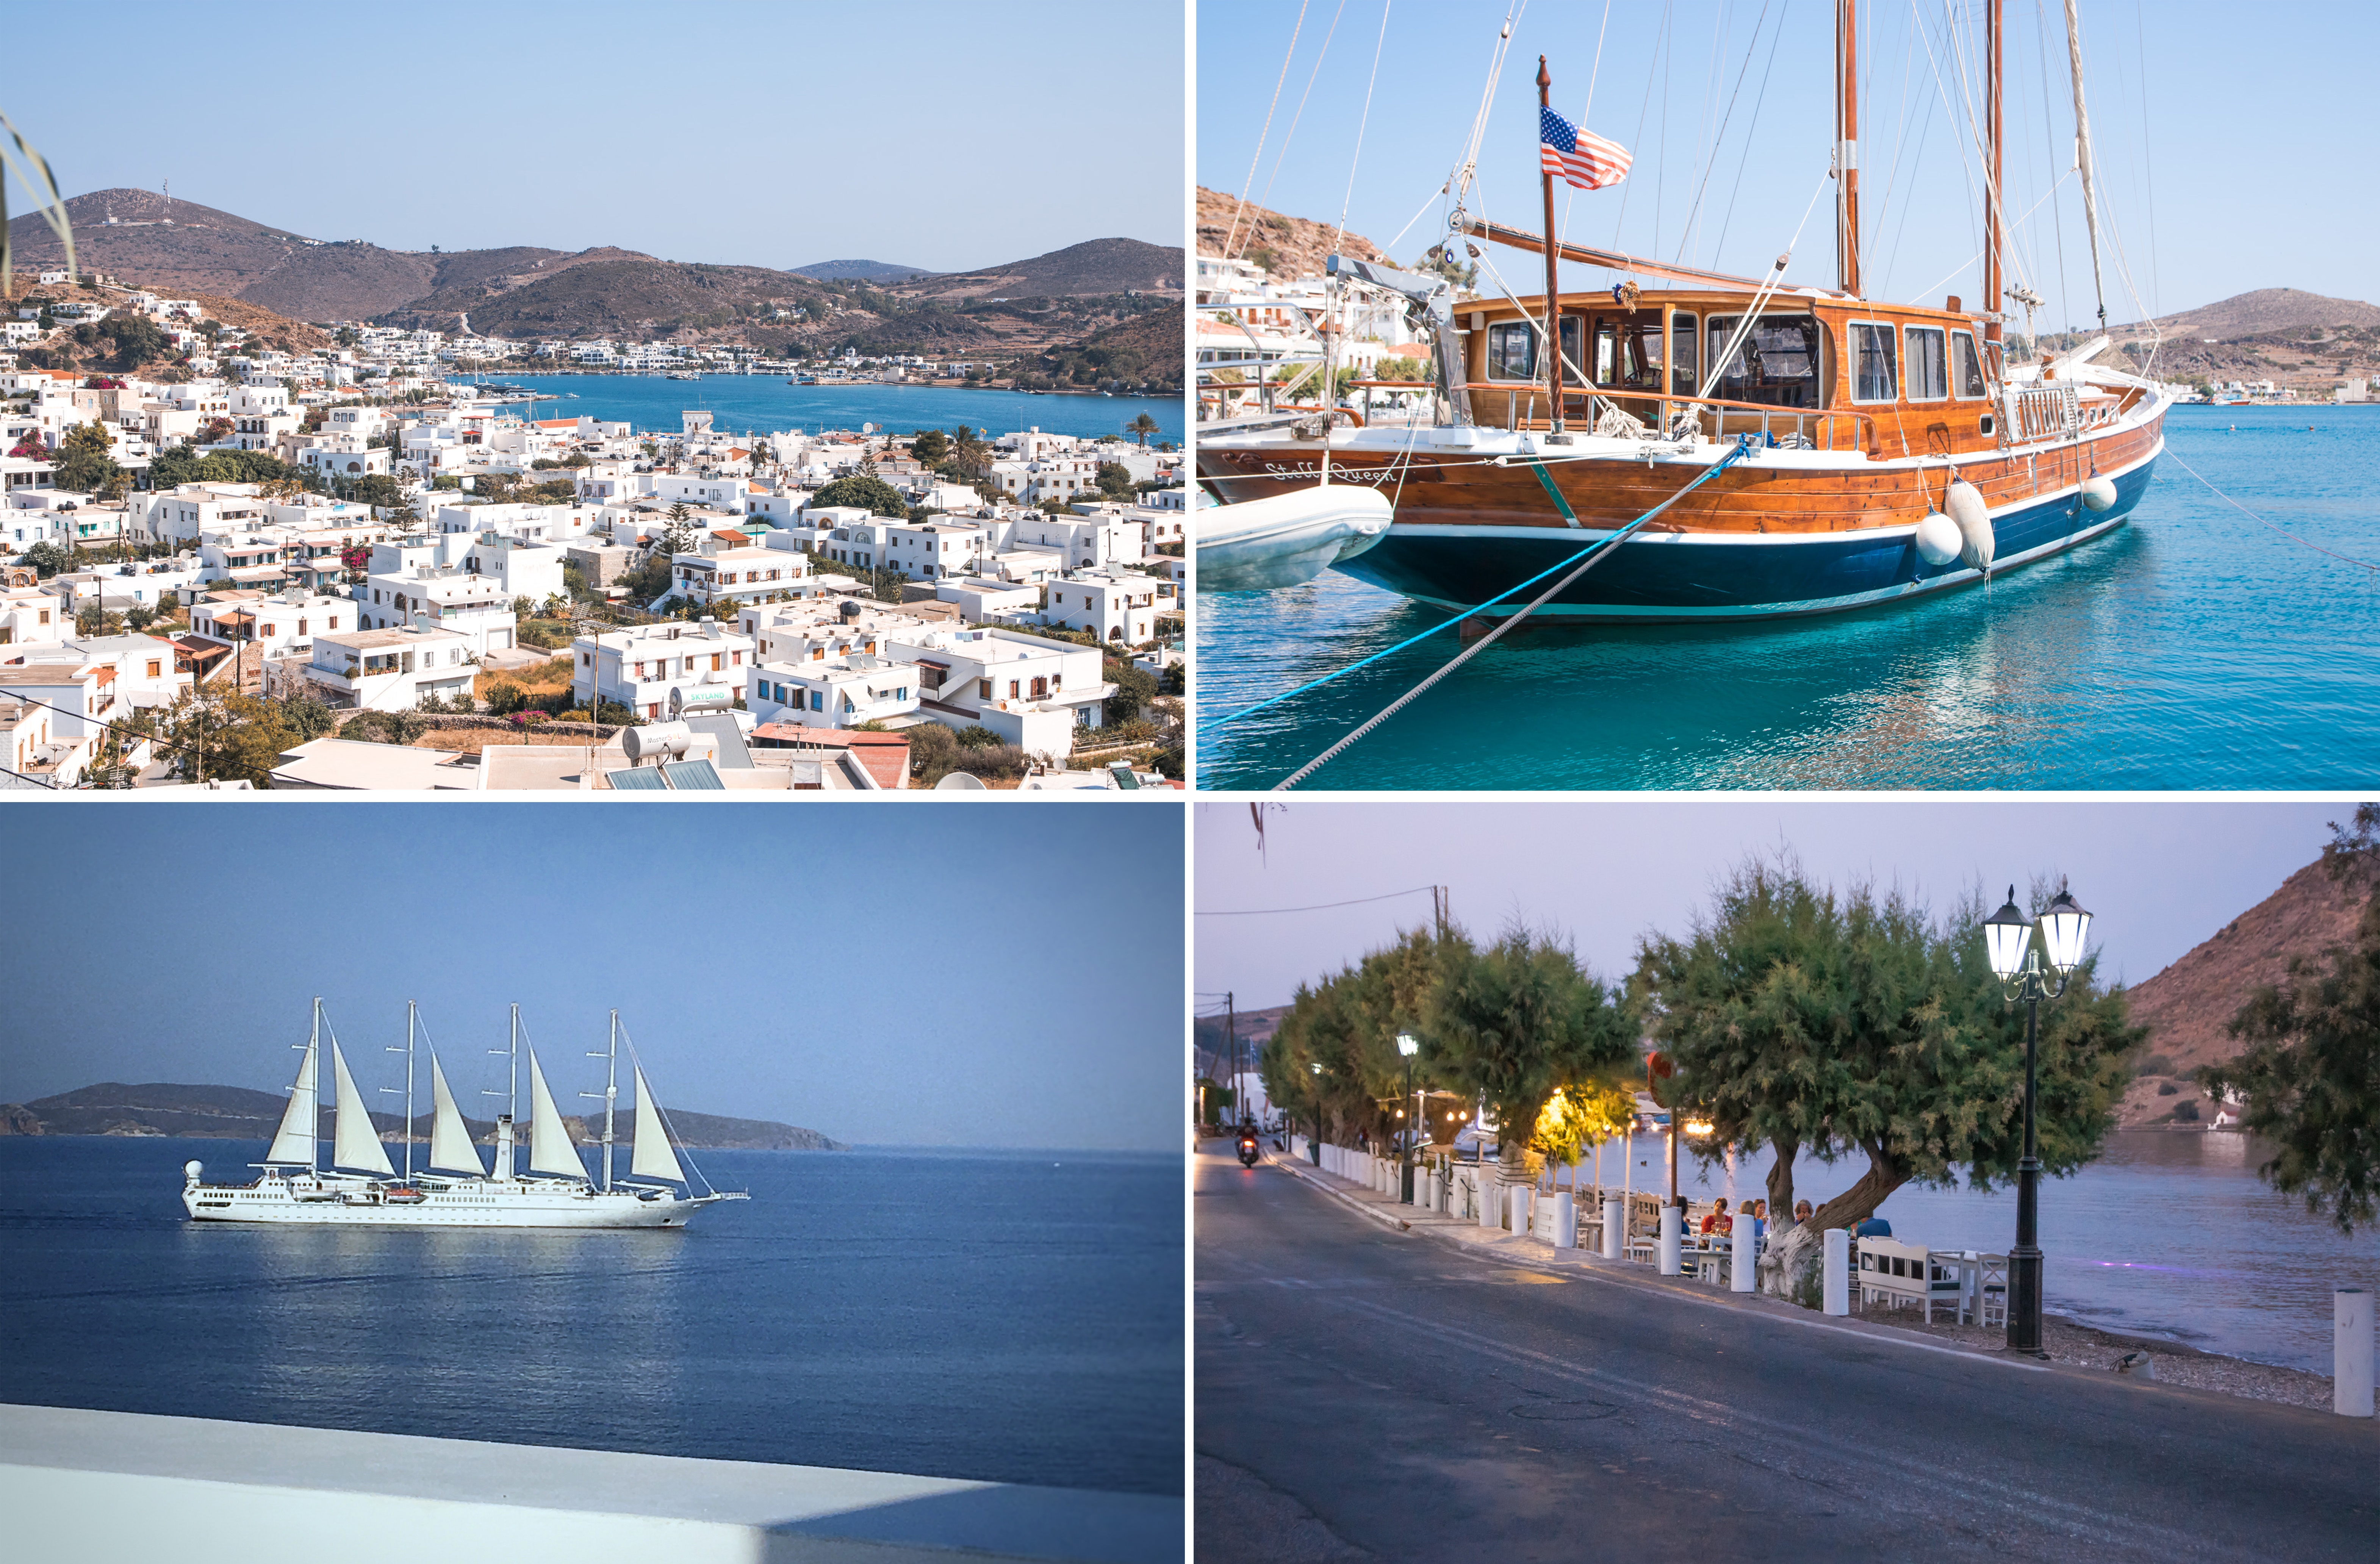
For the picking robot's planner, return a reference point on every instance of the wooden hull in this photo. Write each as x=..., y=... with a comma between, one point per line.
x=1780, y=533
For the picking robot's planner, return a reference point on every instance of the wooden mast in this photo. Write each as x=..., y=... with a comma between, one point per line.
x=1993, y=348
x=1847, y=227
x=1553, y=259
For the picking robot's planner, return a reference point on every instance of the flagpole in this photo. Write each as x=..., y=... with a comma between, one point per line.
x=1553, y=254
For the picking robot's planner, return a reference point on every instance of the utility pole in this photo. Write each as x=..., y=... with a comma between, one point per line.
x=1232, y=1041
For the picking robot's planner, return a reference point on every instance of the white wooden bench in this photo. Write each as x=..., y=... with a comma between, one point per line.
x=1904, y=1276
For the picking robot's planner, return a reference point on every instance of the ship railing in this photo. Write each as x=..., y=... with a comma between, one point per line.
x=2043, y=412
x=1803, y=427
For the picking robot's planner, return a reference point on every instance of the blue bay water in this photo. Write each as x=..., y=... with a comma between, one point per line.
x=2167, y=1234
x=1012, y=1316
x=766, y=404
x=2193, y=648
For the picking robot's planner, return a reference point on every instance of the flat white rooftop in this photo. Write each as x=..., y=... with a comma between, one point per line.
x=105, y=1485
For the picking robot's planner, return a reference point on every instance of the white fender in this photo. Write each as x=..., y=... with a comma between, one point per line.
x=1965, y=505
x=1938, y=538
x=2099, y=492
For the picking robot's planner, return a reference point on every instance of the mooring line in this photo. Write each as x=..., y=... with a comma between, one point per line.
x=1588, y=558
x=2260, y=521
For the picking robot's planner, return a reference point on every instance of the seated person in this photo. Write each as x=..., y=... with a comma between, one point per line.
x=1873, y=1227
x=1717, y=1220
x=1801, y=1212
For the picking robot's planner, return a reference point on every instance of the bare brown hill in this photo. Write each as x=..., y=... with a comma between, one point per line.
x=1093, y=267
x=2264, y=311
x=1285, y=246
x=2187, y=1005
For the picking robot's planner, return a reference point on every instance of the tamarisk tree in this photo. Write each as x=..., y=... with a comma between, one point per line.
x=2310, y=1080
x=1808, y=1021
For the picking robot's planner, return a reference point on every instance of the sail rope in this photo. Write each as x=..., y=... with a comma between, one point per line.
x=1364, y=120
x=1588, y=558
x=1230, y=237
x=1702, y=189
x=635, y=1062
x=1290, y=135
x=2260, y=521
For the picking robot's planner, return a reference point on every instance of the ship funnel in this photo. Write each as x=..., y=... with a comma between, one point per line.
x=504, y=1169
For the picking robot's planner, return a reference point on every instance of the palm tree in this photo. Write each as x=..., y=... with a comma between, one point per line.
x=1142, y=426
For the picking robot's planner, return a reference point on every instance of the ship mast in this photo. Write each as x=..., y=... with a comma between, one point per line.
x=1994, y=350
x=506, y=1168
x=1847, y=225
x=314, y=1123
x=407, y=1051
x=610, y=1054
x=1553, y=259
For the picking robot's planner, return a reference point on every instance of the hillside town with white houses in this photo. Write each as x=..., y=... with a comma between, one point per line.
x=785, y=599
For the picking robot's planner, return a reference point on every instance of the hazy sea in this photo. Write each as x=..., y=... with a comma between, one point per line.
x=766, y=404
x=2193, y=648
x=1004, y=1315
x=2167, y=1234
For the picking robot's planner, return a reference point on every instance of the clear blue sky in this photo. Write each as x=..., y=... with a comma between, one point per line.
x=2246, y=131
x=978, y=975
x=2158, y=878
x=933, y=134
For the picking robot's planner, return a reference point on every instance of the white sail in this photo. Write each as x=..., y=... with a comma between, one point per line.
x=294, y=1142
x=653, y=1157
x=354, y=1142
x=450, y=1139
x=550, y=1150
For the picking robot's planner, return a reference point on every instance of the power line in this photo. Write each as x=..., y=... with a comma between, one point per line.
x=1318, y=907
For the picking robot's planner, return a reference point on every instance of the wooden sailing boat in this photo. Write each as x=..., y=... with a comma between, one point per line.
x=1878, y=451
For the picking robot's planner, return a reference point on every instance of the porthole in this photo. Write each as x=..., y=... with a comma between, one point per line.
x=1985, y=423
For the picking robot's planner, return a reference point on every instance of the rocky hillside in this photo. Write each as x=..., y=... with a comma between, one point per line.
x=112, y=1108
x=1094, y=267
x=2187, y=1005
x=859, y=271
x=1285, y=246
x=2285, y=335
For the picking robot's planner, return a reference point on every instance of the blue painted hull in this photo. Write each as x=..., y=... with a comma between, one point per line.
x=1673, y=577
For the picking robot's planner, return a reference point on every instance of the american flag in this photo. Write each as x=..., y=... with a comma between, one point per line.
x=1582, y=157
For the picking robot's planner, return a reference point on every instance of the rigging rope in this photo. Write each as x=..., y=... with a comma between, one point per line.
x=1257, y=158
x=1360, y=124
x=1588, y=558
x=2260, y=521
x=1291, y=134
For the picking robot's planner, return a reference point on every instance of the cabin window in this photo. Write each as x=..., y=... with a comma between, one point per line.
x=1683, y=360
x=1929, y=377
x=1513, y=351
x=1628, y=355
x=1776, y=365
x=1875, y=372
x=1966, y=365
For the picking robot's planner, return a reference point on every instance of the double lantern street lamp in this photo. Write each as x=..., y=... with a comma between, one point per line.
x=1408, y=1046
x=2008, y=934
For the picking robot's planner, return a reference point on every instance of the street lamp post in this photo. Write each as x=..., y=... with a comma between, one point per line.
x=1407, y=1047
x=2008, y=934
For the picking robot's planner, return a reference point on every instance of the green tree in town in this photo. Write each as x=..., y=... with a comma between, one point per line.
x=1142, y=428
x=1833, y=1024
x=866, y=490
x=1136, y=688
x=48, y=558
x=86, y=462
x=2309, y=1081
x=1115, y=480
x=931, y=447
x=1518, y=1021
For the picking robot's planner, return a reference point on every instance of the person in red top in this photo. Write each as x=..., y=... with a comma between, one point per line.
x=1717, y=1220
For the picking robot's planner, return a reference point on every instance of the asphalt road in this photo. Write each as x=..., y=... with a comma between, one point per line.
x=1363, y=1392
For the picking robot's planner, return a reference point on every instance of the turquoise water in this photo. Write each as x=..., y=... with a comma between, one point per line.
x=2193, y=648
x=766, y=404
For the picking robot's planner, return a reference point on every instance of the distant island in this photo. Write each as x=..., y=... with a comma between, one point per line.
x=160, y=1107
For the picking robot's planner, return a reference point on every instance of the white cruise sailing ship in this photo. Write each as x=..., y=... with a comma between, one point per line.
x=360, y=1187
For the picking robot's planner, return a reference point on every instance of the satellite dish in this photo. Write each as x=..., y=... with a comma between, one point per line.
x=868, y=429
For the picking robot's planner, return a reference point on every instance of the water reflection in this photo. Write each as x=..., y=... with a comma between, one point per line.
x=2167, y=1234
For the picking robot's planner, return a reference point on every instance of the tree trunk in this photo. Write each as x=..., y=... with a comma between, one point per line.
x=1790, y=1268
x=1781, y=1180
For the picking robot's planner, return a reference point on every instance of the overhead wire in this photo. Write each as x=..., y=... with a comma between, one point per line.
x=1318, y=907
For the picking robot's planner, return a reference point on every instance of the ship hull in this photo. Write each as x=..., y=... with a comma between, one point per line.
x=462, y=1205
x=1772, y=537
